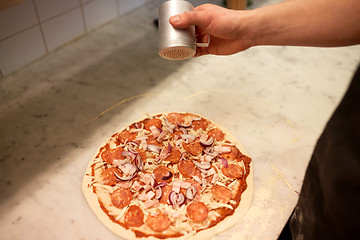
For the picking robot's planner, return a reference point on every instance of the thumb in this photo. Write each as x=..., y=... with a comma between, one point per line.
x=189, y=18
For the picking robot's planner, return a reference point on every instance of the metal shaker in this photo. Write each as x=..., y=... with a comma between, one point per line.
x=175, y=44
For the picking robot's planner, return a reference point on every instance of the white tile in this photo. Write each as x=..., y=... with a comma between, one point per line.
x=128, y=5
x=21, y=49
x=17, y=18
x=99, y=12
x=50, y=8
x=63, y=29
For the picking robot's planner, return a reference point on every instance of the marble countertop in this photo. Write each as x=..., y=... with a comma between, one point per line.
x=55, y=112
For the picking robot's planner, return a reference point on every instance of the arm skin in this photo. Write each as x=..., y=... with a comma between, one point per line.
x=318, y=23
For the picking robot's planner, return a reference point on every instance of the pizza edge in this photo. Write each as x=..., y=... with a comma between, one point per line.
x=229, y=221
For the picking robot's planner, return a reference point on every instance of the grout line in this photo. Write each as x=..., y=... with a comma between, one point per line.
x=41, y=30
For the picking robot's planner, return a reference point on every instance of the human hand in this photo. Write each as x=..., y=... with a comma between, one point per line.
x=224, y=26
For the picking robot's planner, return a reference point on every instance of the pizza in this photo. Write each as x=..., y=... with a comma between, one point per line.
x=169, y=176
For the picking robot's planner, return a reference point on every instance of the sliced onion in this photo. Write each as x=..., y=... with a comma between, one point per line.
x=206, y=142
x=224, y=162
x=154, y=148
x=162, y=184
x=202, y=165
x=169, y=147
x=167, y=176
x=183, y=130
x=176, y=199
x=196, y=118
x=191, y=192
x=183, y=156
x=210, y=151
x=132, y=145
x=187, y=136
x=125, y=177
x=168, y=124
x=185, y=125
x=158, y=192
x=129, y=155
x=139, y=163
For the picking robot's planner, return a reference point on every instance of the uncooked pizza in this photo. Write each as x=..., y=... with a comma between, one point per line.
x=173, y=175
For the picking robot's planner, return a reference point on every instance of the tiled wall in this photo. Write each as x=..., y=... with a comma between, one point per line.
x=34, y=28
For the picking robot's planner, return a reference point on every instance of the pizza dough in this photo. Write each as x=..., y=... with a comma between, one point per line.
x=138, y=197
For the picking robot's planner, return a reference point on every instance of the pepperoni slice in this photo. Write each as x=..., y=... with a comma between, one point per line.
x=216, y=134
x=233, y=171
x=165, y=194
x=152, y=122
x=126, y=135
x=197, y=211
x=121, y=197
x=233, y=154
x=202, y=123
x=175, y=118
x=134, y=217
x=194, y=148
x=142, y=154
x=158, y=221
x=174, y=156
x=109, y=177
x=163, y=174
x=188, y=169
x=110, y=154
x=221, y=193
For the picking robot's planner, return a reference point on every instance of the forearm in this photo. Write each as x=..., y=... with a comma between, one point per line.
x=304, y=23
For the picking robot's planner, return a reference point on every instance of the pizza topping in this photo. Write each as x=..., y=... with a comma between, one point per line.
x=176, y=199
x=134, y=217
x=121, y=197
x=172, y=170
x=110, y=154
x=232, y=171
x=109, y=176
x=221, y=193
x=188, y=169
x=162, y=174
x=223, y=161
x=197, y=211
x=205, y=141
x=158, y=221
x=191, y=192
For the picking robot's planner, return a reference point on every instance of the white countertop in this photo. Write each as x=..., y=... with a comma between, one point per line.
x=54, y=114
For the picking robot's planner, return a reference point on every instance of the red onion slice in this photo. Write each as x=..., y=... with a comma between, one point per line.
x=125, y=177
x=202, y=165
x=153, y=148
x=158, y=192
x=167, y=176
x=162, y=184
x=176, y=199
x=169, y=148
x=206, y=142
x=185, y=125
x=191, y=192
x=132, y=146
x=224, y=162
x=210, y=151
x=139, y=163
x=128, y=155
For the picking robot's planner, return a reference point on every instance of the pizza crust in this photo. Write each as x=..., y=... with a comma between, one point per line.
x=229, y=221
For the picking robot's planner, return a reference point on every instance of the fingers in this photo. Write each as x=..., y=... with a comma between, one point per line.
x=189, y=18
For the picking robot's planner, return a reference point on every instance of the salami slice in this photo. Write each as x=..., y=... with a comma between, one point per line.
x=221, y=193
x=158, y=221
x=134, y=217
x=163, y=174
x=194, y=148
x=188, y=169
x=126, y=136
x=109, y=177
x=233, y=154
x=110, y=154
x=216, y=134
x=174, y=156
x=152, y=122
x=165, y=194
x=233, y=171
x=197, y=211
x=121, y=197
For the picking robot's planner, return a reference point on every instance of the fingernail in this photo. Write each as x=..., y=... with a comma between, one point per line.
x=175, y=19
